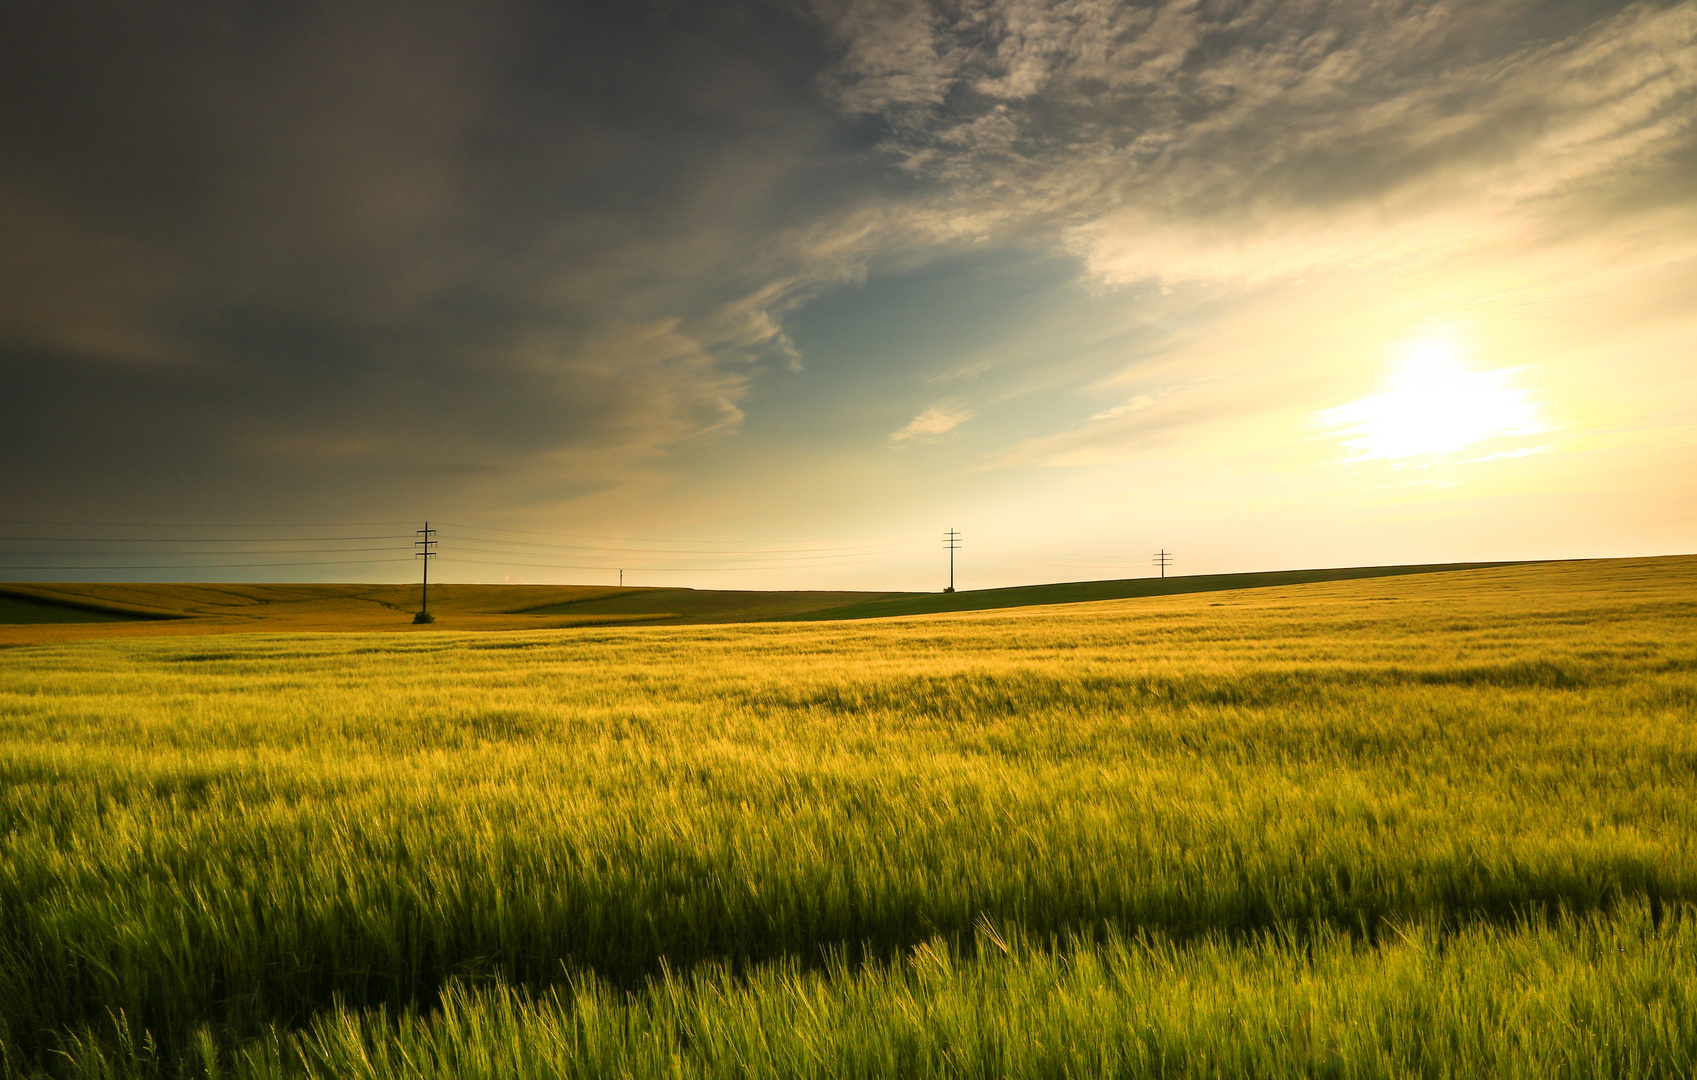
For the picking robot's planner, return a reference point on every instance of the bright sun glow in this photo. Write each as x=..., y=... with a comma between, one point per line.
x=1433, y=405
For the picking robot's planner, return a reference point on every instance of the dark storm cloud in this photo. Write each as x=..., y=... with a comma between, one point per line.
x=366, y=242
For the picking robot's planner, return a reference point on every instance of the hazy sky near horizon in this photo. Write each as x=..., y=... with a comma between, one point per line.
x=794, y=286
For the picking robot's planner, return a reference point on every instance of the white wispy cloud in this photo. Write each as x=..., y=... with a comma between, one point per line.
x=931, y=424
x=1135, y=405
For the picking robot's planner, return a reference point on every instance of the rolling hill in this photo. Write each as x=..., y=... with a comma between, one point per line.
x=71, y=611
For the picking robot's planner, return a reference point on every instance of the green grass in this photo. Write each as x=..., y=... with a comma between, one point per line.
x=1433, y=825
x=1590, y=997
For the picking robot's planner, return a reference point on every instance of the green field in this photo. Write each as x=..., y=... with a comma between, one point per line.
x=1419, y=826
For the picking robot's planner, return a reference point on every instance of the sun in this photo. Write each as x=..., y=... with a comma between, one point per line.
x=1433, y=404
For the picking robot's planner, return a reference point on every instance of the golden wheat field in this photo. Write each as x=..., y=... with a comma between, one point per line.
x=1432, y=826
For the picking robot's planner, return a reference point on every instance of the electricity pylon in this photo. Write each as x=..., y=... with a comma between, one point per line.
x=426, y=551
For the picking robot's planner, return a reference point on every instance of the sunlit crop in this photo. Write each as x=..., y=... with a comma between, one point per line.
x=1425, y=826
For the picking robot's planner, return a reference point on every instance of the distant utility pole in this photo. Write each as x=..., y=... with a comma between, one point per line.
x=1163, y=559
x=951, y=540
x=621, y=579
x=426, y=551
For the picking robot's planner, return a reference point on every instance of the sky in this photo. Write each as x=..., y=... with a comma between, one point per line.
x=772, y=294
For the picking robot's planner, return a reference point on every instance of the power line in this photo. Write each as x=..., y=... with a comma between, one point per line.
x=200, y=525
x=641, y=540
x=1020, y=549
x=214, y=566
x=615, y=559
x=685, y=551
x=497, y=547
x=195, y=540
x=452, y=558
x=1077, y=565
x=190, y=554
x=1092, y=564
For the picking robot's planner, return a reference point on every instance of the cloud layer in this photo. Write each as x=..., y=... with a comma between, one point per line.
x=1252, y=140
x=529, y=259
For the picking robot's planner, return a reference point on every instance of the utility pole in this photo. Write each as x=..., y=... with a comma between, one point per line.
x=1163, y=559
x=621, y=579
x=951, y=540
x=426, y=551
